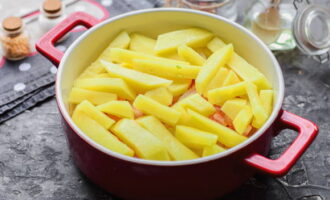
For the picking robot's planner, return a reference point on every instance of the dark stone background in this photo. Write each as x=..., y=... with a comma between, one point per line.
x=35, y=162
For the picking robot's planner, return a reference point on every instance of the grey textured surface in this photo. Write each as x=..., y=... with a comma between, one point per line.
x=35, y=162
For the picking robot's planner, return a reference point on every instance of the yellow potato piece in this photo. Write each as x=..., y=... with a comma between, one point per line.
x=230, y=79
x=127, y=56
x=193, y=37
x=266, y=97
x=151, y=107
x=210, y=150
x=141, y=43
x=122, y=40
x=162, y=95
x=144, y=143
x=112, y=85
x=173, y=56
x=99, y=134
x=194, y=138
x=166, y=69
x=211, y=67
x=92, y=112
x=203, y=51
x=259, y=113
x=102, y=75
x=220, y=95
x=179, y=87
x=197, y=103
x=218, y=80
x=93, y=70
x=226, y=136
x=175, y=148
x=139, y=81
x=77, y=95
x=215, y=44
x=122, y=109
x=190, y=55
x=233, y=106
x=243, y=119
x=248, y=72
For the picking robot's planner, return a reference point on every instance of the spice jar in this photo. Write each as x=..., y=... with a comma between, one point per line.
x=52, y=13
x=15, y=40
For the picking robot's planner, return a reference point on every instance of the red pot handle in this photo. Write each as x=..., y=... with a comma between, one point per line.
x=46, y=44
x=307, y=132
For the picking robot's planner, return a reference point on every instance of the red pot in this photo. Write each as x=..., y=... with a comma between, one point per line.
x=203, y=178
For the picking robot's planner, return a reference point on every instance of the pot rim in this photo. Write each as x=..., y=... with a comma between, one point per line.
x=69, y=121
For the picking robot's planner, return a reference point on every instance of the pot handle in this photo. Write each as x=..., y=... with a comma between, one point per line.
x=307, y=132
x=46, y=44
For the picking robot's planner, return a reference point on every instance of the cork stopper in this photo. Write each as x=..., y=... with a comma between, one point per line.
x=52, y=6
x=12, y=23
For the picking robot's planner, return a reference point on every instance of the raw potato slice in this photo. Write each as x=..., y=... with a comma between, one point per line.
x=193, y=37
x=233, y=106
x=211, y=67
x=230, y=79
x=175, y=148
x=151, y=107
x=218, y=80
x=141, y=43
x=99, y=134
x=138, y=80
x=204, y=52
x=144, y=143
x=190, y=55
x=94, y=69
x=226, y=136
x=162, y=95
x=102, y=75
x=127, y=56
x=214, y=149
x=166, y=69
x=259, y=113
x=197, y=103
x=243, y=120
x=122, y=109
x=266, y=97
x=194, y=138
x=92, y=112
x=112, y=85
x=220, y=95
x=215, y=44
x=248, y=72
x=122, y=40
x=77, y=95
x=179, y=87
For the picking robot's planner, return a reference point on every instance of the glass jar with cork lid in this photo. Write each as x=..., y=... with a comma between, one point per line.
x=52, y=13
x=14, y=39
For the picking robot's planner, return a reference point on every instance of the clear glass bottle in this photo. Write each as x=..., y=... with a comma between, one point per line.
x=15, y=39
x=52, y=13
x=271, y=21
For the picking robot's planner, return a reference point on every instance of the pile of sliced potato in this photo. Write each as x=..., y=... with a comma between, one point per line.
x=181, y=96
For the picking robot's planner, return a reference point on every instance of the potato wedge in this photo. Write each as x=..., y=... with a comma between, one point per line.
x=141, y=43
x=230, y=79
x=151, y=107
x=220, y=95
x=166, y=69
x=99, y=134
x=197, y=103
x=161, y=94
x=243, y=120
x=193, y=37
x=111, y=85
x=77, y=95
x=218, y=80
x=122, y=40
x=144, y=143
x=226, y=136
x=122, y=109
x=175, y=148
x=139, y=81
x=179, y=87
x=194, y=138
x=215, y=44
x=211, y=67
x=190, y=55
x=214, y=149
x=233, y=106
x=266, y=97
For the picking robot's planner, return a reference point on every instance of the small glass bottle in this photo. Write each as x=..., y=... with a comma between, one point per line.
x=15, y=39
x=52, y=13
